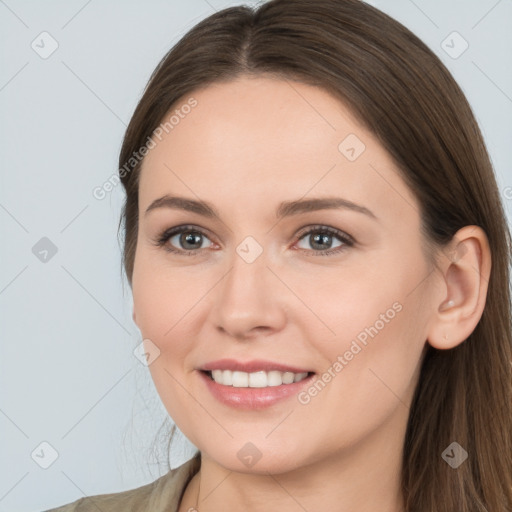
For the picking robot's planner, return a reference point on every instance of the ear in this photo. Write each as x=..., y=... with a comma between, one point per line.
x=466, y=268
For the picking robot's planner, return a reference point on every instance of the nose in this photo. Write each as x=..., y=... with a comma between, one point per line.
x=250, y=300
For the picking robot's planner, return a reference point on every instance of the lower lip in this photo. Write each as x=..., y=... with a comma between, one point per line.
x=253, y=398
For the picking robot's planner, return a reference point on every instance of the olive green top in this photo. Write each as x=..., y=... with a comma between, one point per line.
x=162, y=495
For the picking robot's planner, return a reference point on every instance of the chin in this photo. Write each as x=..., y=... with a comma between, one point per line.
x=251, y=459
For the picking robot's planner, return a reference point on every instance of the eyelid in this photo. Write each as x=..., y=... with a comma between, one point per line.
x=346, y=239
x=342, y=235
x=163, y=237
x=175, y=230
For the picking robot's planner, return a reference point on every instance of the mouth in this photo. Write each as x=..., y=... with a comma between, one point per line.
x=254, y=390
x=254, y=384
x=258, y=379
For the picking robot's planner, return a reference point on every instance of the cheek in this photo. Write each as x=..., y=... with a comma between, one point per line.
x=376, y=364
x=364, y=385
x=165, y=315
x=377, y=334
x=162, y=299
x=348, y=304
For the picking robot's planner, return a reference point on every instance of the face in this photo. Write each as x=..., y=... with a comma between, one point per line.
x=269, y=281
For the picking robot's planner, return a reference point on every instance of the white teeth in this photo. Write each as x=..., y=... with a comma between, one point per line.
x=259, y=379
x=240, y=380
x=288, y=377
x=227, y=377
x=274, y=378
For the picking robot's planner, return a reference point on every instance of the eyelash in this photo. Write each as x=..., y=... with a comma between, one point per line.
x=348, y=241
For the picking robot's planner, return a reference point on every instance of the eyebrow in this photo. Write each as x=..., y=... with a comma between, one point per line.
x=285, y=209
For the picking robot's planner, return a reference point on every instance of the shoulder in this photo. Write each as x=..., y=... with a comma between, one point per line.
x=164, y=494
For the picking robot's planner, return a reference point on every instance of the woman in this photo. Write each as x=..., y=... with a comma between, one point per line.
x=319, y=262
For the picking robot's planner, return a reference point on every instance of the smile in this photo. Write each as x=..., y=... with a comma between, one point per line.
x=259, y=379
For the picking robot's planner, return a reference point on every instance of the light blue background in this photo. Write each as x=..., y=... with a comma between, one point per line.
x=68, y=373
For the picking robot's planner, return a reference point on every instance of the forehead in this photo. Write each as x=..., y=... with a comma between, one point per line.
x=262, y=137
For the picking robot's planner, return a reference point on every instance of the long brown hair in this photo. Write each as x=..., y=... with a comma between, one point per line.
x=400, y=90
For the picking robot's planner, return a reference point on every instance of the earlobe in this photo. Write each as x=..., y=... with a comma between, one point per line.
x=466, y=270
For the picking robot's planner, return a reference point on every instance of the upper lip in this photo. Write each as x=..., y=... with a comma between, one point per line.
x=251, y=366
